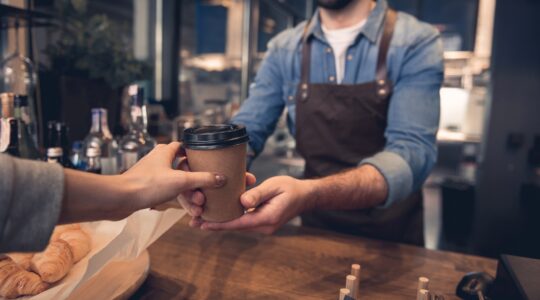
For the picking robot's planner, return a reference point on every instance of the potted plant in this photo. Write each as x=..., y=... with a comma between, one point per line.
x=91, y=60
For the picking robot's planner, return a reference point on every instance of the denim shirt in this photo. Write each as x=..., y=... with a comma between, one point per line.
x=415, y=66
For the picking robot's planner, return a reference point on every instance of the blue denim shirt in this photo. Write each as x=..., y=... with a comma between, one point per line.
x=415, y=66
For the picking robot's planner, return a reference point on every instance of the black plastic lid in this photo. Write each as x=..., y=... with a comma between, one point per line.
x=20, y=100
x=214, y=136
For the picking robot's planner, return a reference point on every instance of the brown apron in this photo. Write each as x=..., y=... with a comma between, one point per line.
x=339, y=125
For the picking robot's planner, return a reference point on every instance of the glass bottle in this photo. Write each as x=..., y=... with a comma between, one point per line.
x=137, y=142
x=57, y=142
x=17, y=75
x=77, y=155
x=27, y=147
x=100, y=137
x=52, y=136
x=62, y=131
x=93, y=161
x=55, y=155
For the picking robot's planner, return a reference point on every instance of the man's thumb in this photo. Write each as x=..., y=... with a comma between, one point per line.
x=258, y=195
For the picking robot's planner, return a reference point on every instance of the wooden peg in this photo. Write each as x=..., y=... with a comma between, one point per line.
x=423, y=284
x=350, y=283
x=343, y=293
x=355, y=271
x=423, y=294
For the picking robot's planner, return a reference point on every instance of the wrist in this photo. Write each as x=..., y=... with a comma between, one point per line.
x=126, y=198
x=311, y=194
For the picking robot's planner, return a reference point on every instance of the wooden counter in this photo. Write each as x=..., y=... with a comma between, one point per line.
x=295, y=263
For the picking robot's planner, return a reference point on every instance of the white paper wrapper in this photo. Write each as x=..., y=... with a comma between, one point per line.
x=114, y=241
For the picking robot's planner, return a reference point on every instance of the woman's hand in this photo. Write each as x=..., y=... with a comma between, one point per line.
x=150, y=182
x=158, y=182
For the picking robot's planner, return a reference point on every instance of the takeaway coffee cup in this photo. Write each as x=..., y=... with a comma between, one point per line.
x=220, y=149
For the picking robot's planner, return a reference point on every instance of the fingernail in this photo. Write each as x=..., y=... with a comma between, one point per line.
x=220, y=180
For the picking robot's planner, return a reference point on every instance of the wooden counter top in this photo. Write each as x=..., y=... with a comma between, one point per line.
x=295, y=263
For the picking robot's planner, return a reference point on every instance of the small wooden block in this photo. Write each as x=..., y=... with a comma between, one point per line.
x=423, y=294
x=355, y=271
x=344, y=293
x=351, y=283
x=423, y=283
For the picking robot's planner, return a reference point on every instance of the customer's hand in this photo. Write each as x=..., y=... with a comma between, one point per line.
x=158, y=182
x=275, y=202
x=150, y=182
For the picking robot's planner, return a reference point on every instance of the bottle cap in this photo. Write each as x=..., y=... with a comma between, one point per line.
x=20, y=100
x=211, y=137
x=55, y=152
x=93, y=152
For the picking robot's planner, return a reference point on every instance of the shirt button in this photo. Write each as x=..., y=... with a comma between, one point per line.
x=332, y=78
x=291, y=98
x=349, y=57
x=328, y=50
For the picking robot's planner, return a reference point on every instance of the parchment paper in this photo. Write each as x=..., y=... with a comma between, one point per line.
x=114, y=241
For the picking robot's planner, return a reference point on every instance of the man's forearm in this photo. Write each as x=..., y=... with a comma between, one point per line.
x=362, y=187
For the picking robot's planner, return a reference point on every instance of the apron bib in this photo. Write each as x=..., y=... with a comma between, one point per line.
x=339, y=125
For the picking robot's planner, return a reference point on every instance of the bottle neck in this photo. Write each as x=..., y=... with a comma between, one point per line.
x=138, y=120
x=100, y=123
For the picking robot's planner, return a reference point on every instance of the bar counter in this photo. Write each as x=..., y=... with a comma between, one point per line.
x=295, y=263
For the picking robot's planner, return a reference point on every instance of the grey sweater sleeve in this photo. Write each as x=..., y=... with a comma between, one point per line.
x=31, y=195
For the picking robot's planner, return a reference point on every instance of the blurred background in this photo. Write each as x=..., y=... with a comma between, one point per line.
x=195, y=60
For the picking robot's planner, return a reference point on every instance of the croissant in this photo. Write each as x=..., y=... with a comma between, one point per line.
x=16, y=282
x=79, y=242
x=53, y=263
x=58, y=230
x=22, y=259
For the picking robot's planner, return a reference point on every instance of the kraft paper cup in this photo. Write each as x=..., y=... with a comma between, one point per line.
x=219, y=149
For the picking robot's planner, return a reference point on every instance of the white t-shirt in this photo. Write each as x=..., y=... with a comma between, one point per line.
x=340, y=40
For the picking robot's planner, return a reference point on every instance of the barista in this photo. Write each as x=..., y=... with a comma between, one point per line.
x=360, y=82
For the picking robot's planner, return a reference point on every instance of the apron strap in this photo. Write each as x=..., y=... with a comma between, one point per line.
x=382, y=71
x=305, y=64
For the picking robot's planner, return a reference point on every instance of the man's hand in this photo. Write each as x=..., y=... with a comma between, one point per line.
x=279, y=199
x=275, y=202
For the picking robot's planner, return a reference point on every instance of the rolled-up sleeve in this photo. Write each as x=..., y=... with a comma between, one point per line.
x=413, y=118
x=396, y=172
x=31, y=195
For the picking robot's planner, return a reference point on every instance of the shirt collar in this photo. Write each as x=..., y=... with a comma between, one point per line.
x=370, y=30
